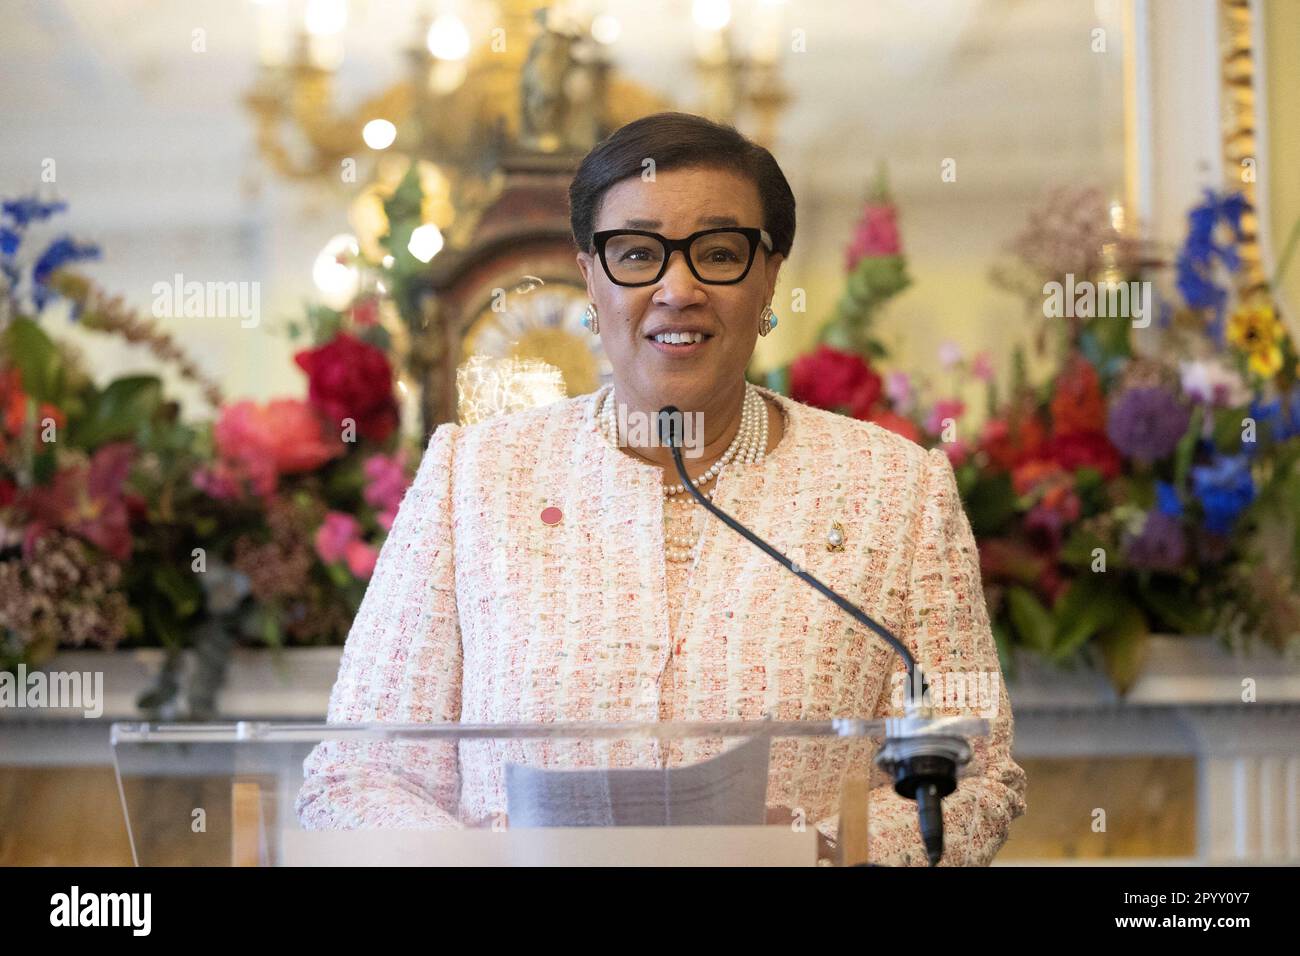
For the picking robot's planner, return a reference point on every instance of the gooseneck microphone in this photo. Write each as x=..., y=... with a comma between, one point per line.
x=924, y=767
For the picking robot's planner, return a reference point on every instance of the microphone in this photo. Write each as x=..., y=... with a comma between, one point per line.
x=923, y=765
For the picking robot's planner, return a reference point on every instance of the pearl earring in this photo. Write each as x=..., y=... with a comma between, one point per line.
x=590, y=319
x=767, y=321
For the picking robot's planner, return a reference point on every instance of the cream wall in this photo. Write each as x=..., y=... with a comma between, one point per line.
x=1280, y=22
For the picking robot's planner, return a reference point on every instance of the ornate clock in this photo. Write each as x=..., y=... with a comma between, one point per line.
x=514, y=290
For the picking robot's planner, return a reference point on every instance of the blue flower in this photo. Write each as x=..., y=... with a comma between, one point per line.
x=1231, y=208
x=58, y=254
x=1167, y=500
x=1195, y=260
x=1195, y=285
x=1264, y=414
x=1225, y=489
x=1292, y=427
x=1281, y=415
x=30, y=209
x=9, y=241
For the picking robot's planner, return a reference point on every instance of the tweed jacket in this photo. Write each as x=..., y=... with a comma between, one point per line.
x=479, y=611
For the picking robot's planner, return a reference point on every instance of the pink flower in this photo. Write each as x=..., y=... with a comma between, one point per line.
x=982, y=367
x=258, y=443
x=225, y=482
x=876, y=234
x=898, y=386
x=943, y=409
x=336, y=535
x=386, y=519
x=87, y=500
x=957, y=451
x=387, y=481
x=361, y=559
x=949, y=354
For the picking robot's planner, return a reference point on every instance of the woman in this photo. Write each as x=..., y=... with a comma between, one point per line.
x=542, y=569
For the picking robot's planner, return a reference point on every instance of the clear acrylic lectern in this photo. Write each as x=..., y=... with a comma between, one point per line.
x=784, y=793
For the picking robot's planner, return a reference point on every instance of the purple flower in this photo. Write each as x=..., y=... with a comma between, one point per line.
x=1145, y=424
x=1161, y=546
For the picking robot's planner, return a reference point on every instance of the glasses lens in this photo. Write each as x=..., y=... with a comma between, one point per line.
x=720, y=256
x=633, y=258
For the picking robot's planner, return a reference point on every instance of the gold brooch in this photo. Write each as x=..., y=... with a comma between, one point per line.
x=835, y=537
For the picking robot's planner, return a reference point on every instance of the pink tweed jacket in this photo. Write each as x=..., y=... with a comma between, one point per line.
x=480, y=612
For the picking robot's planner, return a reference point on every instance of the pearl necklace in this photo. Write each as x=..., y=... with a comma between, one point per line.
x=748, y=446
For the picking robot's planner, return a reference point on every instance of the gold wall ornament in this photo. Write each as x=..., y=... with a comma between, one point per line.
x=1240, y=141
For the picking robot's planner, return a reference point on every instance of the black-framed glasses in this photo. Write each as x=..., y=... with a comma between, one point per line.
x=721, y=256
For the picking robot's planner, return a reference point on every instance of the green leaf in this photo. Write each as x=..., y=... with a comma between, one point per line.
x=1032, y=621
x=1174, y=607
x=37, y=358
x=1091, y=604
x=405, y=204
x=1006, y=656
x=271, y=633
x=990, y=504
x=1186, y=446
x=1078, y=548
x=120, y=411
x=1123, y=647
x=183, y=591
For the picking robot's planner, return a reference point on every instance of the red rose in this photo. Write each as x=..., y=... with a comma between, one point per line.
x=348, y=378
x=1085, y=450
x=831, y=379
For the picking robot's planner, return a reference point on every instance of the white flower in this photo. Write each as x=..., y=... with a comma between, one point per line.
x=1212, y=383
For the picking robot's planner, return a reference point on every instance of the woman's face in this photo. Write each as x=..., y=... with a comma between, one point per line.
x=677, y=203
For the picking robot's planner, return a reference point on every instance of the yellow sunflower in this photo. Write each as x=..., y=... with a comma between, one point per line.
x=1256, y=331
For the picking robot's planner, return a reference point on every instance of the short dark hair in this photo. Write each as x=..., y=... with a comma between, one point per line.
x=678, y=141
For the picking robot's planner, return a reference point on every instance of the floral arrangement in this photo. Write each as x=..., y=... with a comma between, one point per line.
x=838, y=375
x=1129, y=493
x=121, y=525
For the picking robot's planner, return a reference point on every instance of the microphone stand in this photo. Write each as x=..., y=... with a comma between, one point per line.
x=922, y=764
